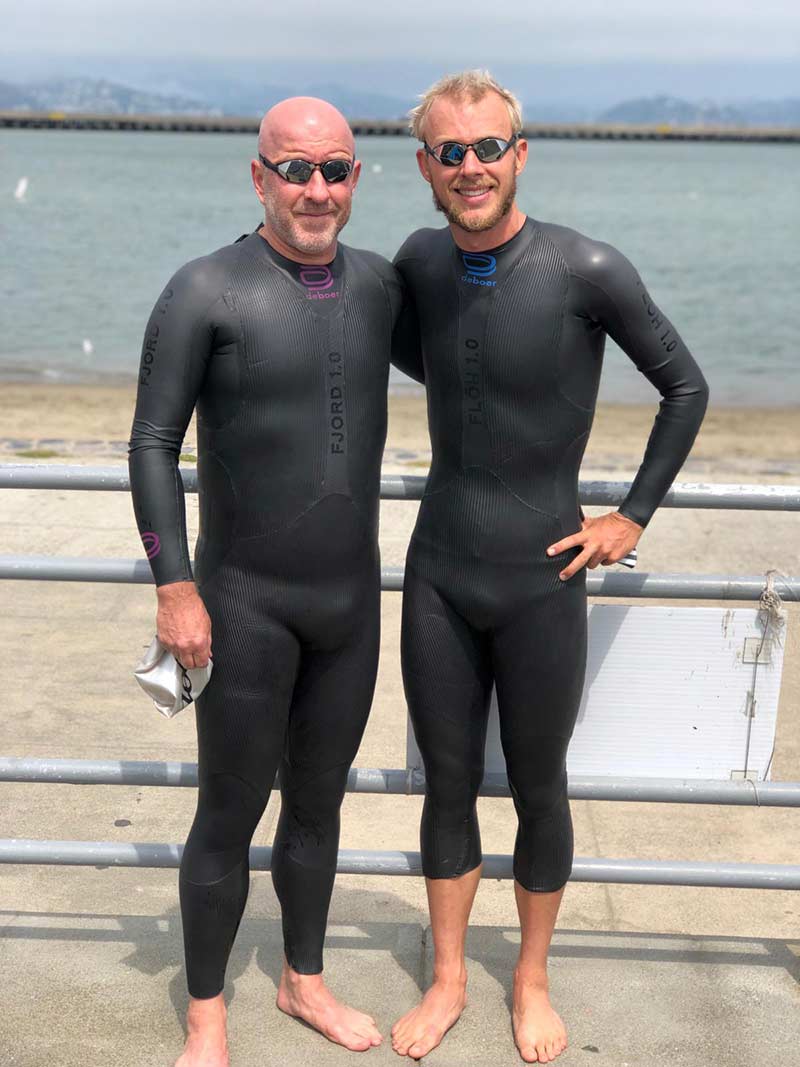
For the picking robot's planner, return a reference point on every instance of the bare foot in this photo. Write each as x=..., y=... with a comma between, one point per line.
x=539, y=1033
x=306, y=997
x=423, y=1028
x=206, y=1043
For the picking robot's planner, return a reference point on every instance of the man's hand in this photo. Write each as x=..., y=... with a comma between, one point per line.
x=605, y=540
x=183, y=625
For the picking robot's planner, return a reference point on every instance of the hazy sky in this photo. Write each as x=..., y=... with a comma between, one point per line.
x=455, y=33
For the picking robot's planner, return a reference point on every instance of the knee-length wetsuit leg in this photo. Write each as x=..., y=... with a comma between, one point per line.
x=448, y=684
x=534, y=650
x=539, y=662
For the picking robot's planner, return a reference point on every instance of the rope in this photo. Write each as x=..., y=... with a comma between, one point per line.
x=772, y=613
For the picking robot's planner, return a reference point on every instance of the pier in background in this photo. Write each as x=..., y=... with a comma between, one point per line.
x=60, y=120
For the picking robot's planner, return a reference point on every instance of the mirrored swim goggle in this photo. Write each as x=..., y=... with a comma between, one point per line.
x=299, y=171
x=488, y=150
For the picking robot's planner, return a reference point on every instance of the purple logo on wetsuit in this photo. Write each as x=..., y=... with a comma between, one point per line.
x=317, y=280
x=152, y=544
x=479, y=266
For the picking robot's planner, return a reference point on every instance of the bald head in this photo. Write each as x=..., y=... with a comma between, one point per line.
x=303, y=218
x=304, y=122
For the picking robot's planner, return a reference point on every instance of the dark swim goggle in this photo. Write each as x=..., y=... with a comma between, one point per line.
x=488, y=150
x=299, y=171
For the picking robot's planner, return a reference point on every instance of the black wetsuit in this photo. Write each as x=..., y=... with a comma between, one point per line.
x=288, y=367
x=512, y=345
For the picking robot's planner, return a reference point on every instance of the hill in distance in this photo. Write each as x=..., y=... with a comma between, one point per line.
x=672, y=111
x=76, y=95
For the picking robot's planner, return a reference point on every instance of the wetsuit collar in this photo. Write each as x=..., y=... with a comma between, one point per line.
x=255, y=243
x=525, y=231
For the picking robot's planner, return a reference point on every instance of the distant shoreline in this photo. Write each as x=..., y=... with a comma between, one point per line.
x=225, y=124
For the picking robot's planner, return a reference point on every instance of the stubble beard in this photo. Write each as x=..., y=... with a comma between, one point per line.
x=477, y=225
x=290, y=229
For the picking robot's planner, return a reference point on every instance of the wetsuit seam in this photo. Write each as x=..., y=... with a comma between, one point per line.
x=410, y=259
x=346, y=252
x=428, y=493
x=563, y=314
x=233, y=536
x=389, y=307
x=216, y=881
x=293, y=521
x=174, y=455
x=242, y=362
x=220, y=296
x=435, y=586
x=516, y=496
x=612, y=301
x=318, y=774
x=180, y=499
x=673, y=393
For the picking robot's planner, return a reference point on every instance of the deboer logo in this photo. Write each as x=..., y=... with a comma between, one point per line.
x=316, y=278
x=479, y=267
x=152, y=543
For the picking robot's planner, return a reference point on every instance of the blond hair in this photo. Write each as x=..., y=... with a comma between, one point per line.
x=473, y=84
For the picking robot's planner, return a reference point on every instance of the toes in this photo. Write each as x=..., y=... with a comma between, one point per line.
x=556, y=1047
x=401, y=1036
x=349, y=1038
x=370, y=1033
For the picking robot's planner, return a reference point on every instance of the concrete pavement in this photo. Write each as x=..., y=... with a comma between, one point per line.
x=92, y=959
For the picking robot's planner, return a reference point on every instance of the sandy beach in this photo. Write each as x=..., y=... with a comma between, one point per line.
x=734, y=444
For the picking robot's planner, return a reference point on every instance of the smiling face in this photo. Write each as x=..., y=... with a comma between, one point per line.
x=477, y=198
x=302, y=221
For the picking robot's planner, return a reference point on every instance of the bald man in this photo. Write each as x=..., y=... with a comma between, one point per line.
x=281, y=342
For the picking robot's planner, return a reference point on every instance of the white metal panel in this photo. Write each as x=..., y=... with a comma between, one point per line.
x=666, y=695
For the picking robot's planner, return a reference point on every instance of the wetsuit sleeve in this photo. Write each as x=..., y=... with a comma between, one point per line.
x=175, y=355
x=406, y=342
x=616, y=298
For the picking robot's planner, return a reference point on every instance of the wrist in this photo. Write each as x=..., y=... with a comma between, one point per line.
x=180, y=590
x=630, y=522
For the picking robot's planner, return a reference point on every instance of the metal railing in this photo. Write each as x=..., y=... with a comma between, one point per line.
x=411, y=782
